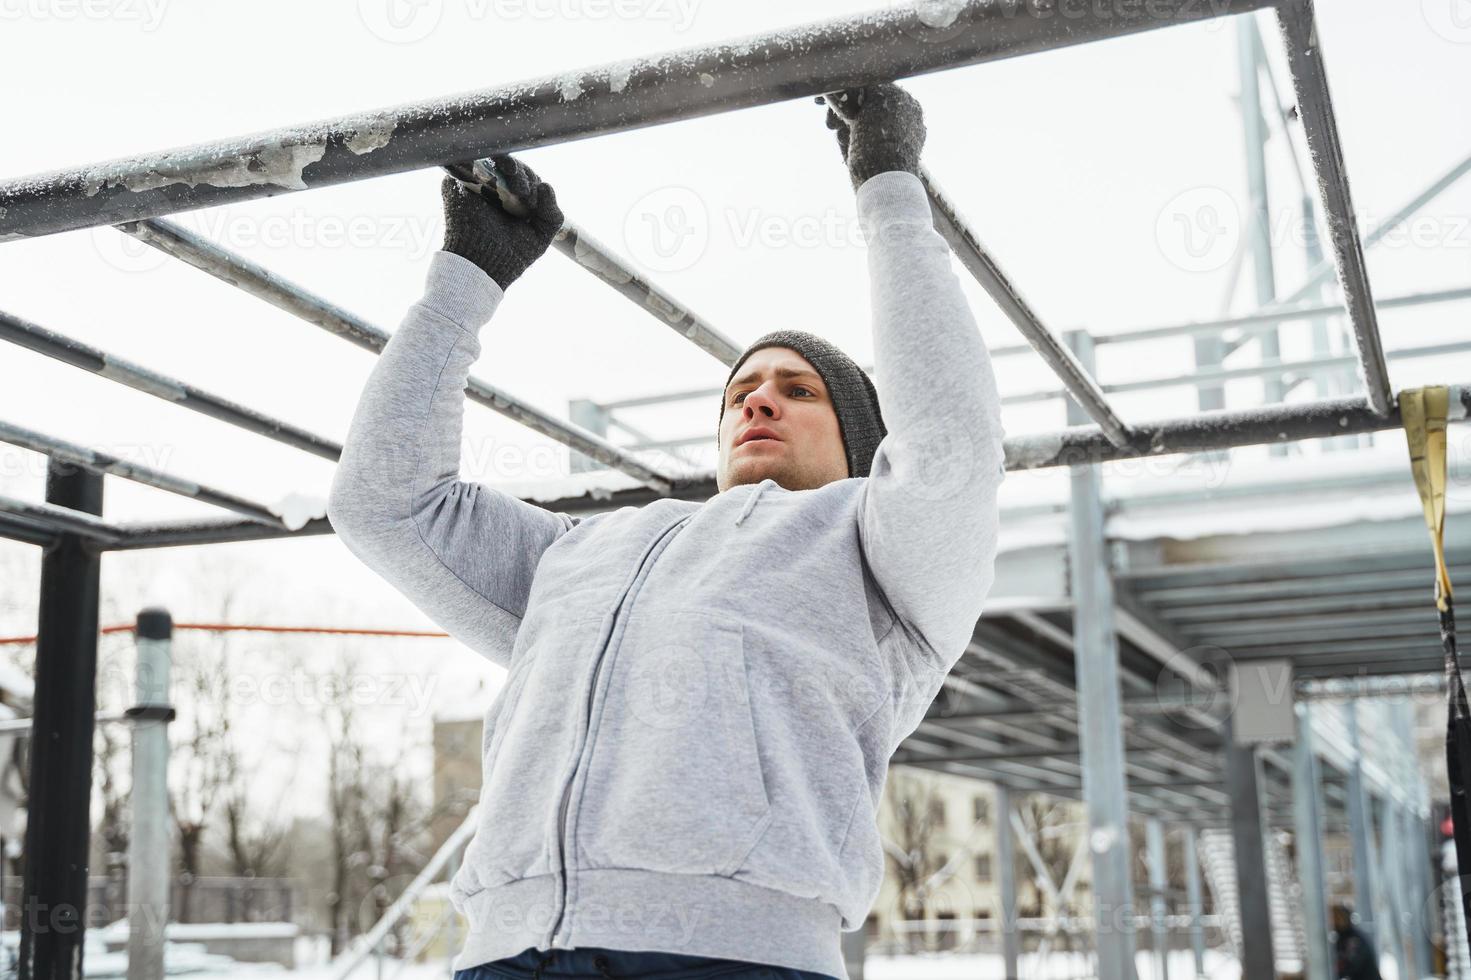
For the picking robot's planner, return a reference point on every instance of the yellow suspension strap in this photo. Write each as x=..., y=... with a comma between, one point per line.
x=1423, y=412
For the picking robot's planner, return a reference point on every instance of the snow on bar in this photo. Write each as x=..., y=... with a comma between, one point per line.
x=781, y=66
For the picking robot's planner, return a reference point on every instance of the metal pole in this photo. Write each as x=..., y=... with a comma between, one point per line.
x=1416, y=927
x=100, y=462
x=1243, y=782
x=1315, y=107
x=1006, y=881
x=1100, y=723
x=1158, y=907
x=54, y=899
x=1359, y=829
x=89, y=358
x=1393, y=863
x=776, y=67
x=148, y=844
x=1193, y=899
x=1307, y=827
x=1078, y=381
x=255, y=279
x=1259, y=235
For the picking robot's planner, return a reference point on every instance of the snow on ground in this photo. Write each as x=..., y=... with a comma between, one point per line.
x=936, y=966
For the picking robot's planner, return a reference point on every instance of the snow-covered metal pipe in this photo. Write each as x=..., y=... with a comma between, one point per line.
x=793, y=63
x=205, y=255
x=74, y=352
x=1315, y=106
x=100, y=462
x=595, y=257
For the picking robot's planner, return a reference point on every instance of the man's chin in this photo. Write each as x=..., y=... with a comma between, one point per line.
x=753, y=471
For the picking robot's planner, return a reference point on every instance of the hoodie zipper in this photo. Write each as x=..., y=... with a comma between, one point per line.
x=562, y=842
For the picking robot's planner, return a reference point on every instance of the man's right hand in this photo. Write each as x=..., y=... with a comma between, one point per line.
x=885, y=131
x=502, y=244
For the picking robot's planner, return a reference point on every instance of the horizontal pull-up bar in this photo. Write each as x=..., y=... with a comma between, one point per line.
x=1315, y=107
x=1080, y=445
x=260, y=282
x=593, y=256
x=26, y=334
x=100, y=462
x=1064, y=363
x=777, y=67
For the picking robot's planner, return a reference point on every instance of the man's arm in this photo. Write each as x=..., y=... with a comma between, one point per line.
x=462, y=552
x=928, y=521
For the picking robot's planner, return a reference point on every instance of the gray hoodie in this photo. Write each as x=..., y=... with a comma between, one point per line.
x=688, y=752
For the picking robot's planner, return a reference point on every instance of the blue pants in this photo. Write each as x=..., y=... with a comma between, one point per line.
x=622, y=964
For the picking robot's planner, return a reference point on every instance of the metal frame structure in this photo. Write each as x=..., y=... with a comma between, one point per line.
x=1109, y=747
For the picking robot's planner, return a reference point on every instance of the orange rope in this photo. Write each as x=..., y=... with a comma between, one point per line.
x=245, y=628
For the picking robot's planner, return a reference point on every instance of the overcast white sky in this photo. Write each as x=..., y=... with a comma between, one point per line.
x=1080, y=169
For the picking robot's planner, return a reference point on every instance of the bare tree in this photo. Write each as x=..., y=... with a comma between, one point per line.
x=200, y=751
x=379, y=820
x=911, y=849
x=257, y=837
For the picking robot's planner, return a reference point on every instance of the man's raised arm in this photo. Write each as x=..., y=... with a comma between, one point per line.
x=929, y=519
x=462, y=552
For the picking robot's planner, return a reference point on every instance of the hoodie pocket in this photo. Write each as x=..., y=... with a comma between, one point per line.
x=674, y=780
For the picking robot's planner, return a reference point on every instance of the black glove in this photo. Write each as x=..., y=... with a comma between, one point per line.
x=886, y=132
x=477, y=226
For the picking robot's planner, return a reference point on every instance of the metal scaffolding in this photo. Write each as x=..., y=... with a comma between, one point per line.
x=1052, y=691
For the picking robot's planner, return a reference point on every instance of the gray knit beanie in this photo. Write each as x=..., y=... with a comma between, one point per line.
x=852, y=392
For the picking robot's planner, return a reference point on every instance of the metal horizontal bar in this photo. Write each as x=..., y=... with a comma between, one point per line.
x=789, y=64
x=1271, y=318
x=1289, y=633
x=1344, y=650
x=74, y=352
x=1229, y=612
x=168, y=534
x=984, y=269
x=100, y=462
x=1207, y=431
x=200, y=252
x=1218, y=632
x=596, y=258
x=1085, y=444
x=21, y=529
x=1315, y=109
x=59, y=520
x=1209, y=375
x=1326, y=269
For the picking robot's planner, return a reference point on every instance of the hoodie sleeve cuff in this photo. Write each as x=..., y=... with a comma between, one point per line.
x=459, y=290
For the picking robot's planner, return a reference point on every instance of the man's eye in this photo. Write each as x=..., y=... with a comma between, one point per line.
x=739, y=395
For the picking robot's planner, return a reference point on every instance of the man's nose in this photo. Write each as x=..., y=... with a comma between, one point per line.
x=761, y=400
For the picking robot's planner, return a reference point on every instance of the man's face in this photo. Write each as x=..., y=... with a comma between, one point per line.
x=777, y=389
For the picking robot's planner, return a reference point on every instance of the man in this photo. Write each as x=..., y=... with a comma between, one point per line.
x=682, y=772
x=1354, y=951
